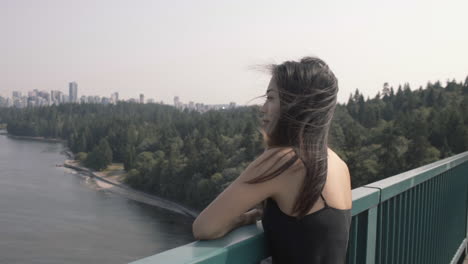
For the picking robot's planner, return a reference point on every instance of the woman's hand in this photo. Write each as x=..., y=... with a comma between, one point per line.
x=247, y=218
x=252, y=216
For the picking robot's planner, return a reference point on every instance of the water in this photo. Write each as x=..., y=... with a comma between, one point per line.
x=50, y=214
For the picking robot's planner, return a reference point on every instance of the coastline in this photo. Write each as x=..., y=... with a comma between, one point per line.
x=111, y=182
x=54, y=140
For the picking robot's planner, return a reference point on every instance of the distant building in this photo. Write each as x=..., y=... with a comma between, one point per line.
x=105, y=100
x=4, y=101
x=94, y=99
x=64, y=99
x=73, y=92
x=33, y=93
x=114, y=97
x=177, y=103
x=55, y=97
x=200, y=107
x=20, y=102
x=142, y=98
x=43, y=98
x=16, y=94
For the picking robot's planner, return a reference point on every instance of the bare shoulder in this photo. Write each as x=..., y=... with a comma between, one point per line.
x=337, y=162
x=337, y=188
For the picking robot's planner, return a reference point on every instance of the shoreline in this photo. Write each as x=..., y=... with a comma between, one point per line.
x=104, y=182
x=118, y=187
x=53, y=140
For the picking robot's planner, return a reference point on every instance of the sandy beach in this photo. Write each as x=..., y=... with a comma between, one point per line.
x=114, y=175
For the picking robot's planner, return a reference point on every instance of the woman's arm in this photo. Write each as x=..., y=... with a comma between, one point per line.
x=229, y=209
x=247, y=218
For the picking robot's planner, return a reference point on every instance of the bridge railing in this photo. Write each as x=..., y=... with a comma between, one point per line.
x=418, y=216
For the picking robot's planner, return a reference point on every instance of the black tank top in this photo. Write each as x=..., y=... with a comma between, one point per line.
x=319, y=237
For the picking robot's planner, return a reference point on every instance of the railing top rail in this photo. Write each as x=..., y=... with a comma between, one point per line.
x=399, y=183
x=209, y=251
x=363, y=199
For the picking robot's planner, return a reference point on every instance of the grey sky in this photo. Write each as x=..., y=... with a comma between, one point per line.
x=203, y=51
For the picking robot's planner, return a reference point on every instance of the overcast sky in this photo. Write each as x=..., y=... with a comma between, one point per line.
x=204, y=51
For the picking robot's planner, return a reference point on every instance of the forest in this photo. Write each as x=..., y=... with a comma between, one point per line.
x=190, y=157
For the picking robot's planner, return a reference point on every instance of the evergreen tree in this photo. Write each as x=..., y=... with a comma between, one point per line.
x=100, y=157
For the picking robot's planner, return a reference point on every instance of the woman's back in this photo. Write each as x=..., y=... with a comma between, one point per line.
x=322, y=235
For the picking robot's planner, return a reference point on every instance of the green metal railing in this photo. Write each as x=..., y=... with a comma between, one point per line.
x=419, y=216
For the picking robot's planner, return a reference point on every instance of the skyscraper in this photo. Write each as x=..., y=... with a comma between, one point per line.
x=115, y=97
x=176, y=101
x=73, y=92
x=142, y=99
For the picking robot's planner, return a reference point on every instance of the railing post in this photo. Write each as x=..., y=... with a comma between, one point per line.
x=371, y=235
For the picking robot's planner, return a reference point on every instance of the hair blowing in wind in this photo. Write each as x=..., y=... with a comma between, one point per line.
x=308, y=95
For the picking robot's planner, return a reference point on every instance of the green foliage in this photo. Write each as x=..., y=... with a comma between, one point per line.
x=81, y=156
x=191, y=157
x=100, y=157
x=387, y=135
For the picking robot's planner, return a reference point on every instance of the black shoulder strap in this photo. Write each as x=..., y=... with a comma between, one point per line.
x=325, y=201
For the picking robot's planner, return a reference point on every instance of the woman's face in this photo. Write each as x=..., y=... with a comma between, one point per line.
x=271, y=108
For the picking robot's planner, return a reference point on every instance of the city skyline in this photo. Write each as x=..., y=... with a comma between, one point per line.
x=36, y=98
x=209, y=51
x=114, y=97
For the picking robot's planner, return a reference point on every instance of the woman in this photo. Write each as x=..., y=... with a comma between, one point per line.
x=305, y=184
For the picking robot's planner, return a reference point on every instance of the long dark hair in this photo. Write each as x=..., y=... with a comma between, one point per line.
x=307, y=92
